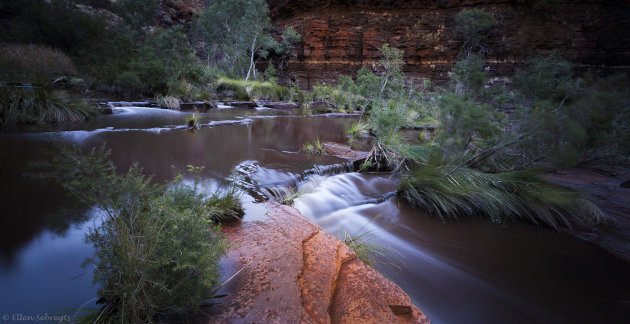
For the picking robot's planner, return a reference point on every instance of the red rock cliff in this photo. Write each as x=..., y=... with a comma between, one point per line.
x=338, y=37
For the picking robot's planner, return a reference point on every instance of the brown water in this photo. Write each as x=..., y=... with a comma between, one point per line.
x=456, y=273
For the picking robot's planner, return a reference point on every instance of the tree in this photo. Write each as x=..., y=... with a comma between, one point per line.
x=138, y=13
x=290, y=38
x=472, y=28
x=233, y=32
x=391, y=63
x=468, y=75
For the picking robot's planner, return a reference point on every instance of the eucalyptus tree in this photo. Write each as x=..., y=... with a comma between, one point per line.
x=233, y=33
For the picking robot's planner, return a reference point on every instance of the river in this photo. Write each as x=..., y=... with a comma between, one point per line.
x=456, y=272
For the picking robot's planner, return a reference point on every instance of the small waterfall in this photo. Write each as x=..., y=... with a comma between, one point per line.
x=343, y=191
x=264, y=183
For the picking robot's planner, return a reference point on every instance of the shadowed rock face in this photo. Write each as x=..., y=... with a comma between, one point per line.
x=298, y=273
x=338, y=37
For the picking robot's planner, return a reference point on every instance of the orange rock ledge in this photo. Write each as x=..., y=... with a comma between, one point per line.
x=297, y=273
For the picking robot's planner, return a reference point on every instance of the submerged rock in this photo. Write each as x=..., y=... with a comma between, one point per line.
x=294, y=272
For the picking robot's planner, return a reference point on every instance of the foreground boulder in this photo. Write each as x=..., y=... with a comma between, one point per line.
x=294, y=272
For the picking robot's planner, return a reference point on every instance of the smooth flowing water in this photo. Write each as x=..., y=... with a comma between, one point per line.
x=470, y=272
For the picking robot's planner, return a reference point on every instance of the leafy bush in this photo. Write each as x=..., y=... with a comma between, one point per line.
x=37, y=107
x=544, y=77
x=138, y=13
x=464, y=122
x=471, y=27
x=157, y=248
x=589, y=124
x=468, y=75
x=368, y=83
x=246, y=90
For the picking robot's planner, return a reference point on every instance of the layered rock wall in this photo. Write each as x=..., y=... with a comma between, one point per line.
x=338, y=37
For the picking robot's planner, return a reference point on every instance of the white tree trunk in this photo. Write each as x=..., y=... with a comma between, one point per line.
x=251, y=58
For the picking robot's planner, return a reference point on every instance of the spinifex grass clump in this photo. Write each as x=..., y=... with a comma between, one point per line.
x=24, y=107
x=315, y=147
x=192, y=122
x=467, y=193
x=371, y=254
x=158, y=246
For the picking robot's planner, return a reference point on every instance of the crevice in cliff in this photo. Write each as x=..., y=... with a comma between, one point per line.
x=301, y=276
x=340, y=262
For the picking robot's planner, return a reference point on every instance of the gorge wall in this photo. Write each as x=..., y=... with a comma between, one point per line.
x=340, y=36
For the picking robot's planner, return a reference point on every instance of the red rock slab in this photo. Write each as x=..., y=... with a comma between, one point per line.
x=344, y=151
x=298, y=273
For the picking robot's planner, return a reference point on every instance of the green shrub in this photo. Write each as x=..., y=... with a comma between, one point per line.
x=544, y=78
x=464, y=122
x=33, y=63
x=588, y=124
x=157, y=249
x=472, y=27
x=37, y=107
x=368, y=83
x=246, y=90
x=468, y=75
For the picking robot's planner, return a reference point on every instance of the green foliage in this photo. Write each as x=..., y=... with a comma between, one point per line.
x=290, y=195
x=370, y=254
x=589, y=124
x=284, y=50
x=464, y=122
x=32, y=63
x=192, y=121
x=54, y=23
x=138, y=13
x=315, y=147
x=270, y=74
x=503, y=197
x=358, y=129
x=233, y=32
x=38, y=107
x=468, y=75
x=472, y=27
x=368, y=83
x=225, y=205
x=157, y=248
x=246, y=90
x=545, y=77
x=391, y=63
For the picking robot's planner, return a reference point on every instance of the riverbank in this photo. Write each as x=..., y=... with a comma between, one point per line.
x=293, y=271
x=604, y=187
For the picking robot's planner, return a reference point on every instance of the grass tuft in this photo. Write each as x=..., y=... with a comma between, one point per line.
x=36, y=107
x=370, y=254
x=315, y=147
x=502, y=197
